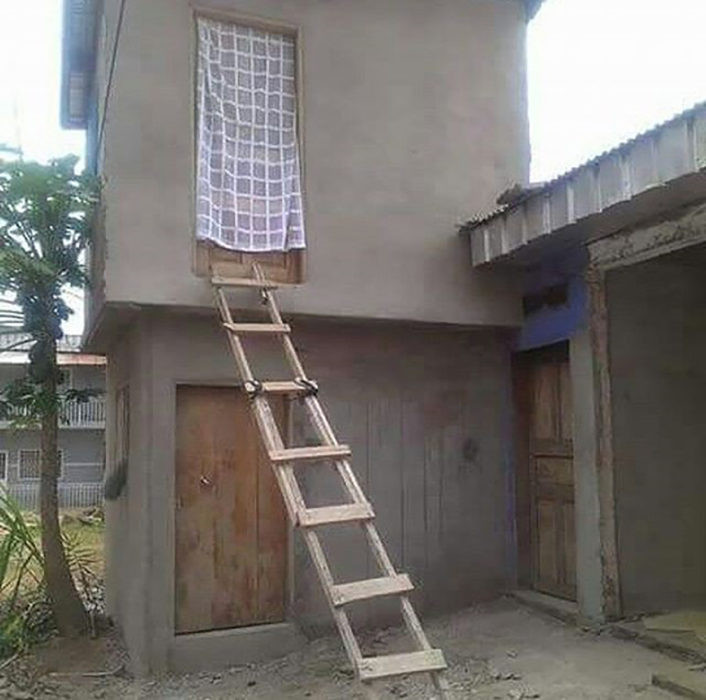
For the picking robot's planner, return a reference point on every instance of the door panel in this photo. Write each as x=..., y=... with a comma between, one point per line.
x=545, y=417
x=551, y=475
x=546, y=557
x=231, y=532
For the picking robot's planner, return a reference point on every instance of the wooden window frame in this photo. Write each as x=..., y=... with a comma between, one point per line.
x=288, y=267
x=39, y=457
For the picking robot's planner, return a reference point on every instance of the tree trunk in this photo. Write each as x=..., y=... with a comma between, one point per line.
x=69, y=613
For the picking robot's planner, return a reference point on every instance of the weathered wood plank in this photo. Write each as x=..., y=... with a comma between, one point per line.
x=230, y=523
x=344, y=593
x=331, y=515
x=258, y=328
x=372, y=668
x=308, y=454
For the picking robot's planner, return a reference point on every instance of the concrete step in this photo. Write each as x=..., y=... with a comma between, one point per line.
x=685, y=683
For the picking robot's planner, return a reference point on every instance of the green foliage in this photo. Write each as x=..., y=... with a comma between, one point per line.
x=20, y=554
x=25, y=614
x=46, y=213
x=22, y=402
x=21, y=576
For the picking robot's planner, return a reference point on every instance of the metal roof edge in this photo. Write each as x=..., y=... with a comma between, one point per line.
x=78, y=47
x=481, y=219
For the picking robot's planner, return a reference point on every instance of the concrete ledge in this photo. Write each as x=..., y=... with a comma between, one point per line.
x=206, y=651
x=564, y=610
x=687, y=684
x=678, y=646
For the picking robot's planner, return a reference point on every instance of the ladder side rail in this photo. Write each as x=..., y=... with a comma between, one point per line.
x=326, y=434
x=236, y=344
x=293, y=499
x=326, y=577
x=269, y=432
x=321, y=424
x=273, y=310
x=273, y=440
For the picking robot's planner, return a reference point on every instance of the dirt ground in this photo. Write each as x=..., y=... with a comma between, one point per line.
x=496, y=651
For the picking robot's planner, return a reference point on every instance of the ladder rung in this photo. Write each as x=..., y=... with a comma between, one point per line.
x=330, y=515
x=284, y=388
x=344, y=593
x=372, y=668
x=276, y=328
x=221, y=281
x=303, y=454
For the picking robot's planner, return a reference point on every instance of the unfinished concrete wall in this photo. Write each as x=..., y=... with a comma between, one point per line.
x=422, y=408
x=413, y=118
x=128, y=518
x=657, y=336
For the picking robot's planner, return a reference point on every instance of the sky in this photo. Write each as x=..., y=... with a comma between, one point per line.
x=600, y=71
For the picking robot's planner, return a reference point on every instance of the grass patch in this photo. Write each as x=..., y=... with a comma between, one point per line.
x=25, y=615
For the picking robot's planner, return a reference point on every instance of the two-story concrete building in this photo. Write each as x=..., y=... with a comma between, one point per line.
x=81, y=430
x=384, y=125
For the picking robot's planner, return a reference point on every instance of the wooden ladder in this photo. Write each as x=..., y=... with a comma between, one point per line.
x=358, y=510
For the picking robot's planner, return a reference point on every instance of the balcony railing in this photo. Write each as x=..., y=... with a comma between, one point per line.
x=71, y=495
x=86, y=414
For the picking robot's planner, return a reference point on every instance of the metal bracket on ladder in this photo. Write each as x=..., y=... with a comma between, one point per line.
x=358, y=510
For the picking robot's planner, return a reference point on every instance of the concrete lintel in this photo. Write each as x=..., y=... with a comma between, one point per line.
x=628, y=248
x=233, y=647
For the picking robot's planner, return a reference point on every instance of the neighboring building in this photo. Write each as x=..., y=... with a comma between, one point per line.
x=609, y=373
x=409, y=114
x=81, y=430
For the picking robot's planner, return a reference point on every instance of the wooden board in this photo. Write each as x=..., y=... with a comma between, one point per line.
x=279, y=267
x=551, y=474
x=231, y=533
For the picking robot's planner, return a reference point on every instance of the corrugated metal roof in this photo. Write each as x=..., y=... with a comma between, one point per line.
x=484, y=218
x=660, y=169
x=78, y=59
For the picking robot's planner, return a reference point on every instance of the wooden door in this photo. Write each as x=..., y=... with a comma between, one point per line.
x=231, y=533
x=551, y=474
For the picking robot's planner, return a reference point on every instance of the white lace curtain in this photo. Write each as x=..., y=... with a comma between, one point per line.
x=248, y=182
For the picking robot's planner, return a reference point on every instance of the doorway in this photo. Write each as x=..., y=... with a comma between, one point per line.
x=231, y=531
x=545, y=480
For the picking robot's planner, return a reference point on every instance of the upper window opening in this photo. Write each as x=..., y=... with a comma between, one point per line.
x=248, y=172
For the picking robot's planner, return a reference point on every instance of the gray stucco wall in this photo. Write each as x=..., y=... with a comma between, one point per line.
x=414, y=118
x=657, y=347
x=423, y=409
x=128, y=519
